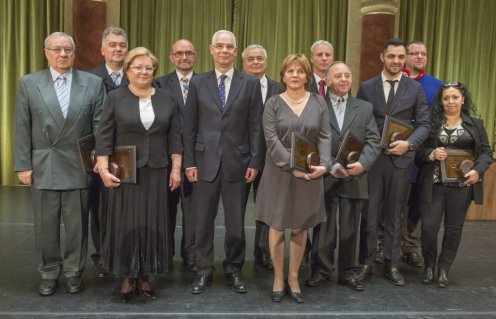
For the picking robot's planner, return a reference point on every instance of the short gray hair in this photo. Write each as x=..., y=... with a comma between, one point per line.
x=59, y=35
x=321, y=42
x=113, y=30
x=254, y=46
x=226, y=32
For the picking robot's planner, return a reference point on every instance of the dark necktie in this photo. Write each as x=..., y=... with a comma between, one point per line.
x=222, y=90
x=185, y=87
x=321, y=88
x=391, y=94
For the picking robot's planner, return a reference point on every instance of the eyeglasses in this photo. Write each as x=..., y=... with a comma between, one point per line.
x=456, y=85
x=139, y=68
x=58, y=50
x=417, y=53
x=179, y=54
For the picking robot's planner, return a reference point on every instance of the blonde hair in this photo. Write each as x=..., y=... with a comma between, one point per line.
x=140, y=51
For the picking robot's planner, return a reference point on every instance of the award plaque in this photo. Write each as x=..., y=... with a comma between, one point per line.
x=122, y=163
x=303, y=153
x=456, y=165
x=349, y=150
x=394, y=130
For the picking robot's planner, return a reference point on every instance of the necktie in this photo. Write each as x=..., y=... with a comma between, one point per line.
x=340, y=106
x=321, y=88
x=222, y=90
x=391, y=94
x=185, y=85
x=62, y=94
x=115, y=77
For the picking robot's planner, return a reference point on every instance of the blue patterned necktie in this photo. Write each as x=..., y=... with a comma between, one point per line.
x=185, y=84
x=115, y=77
x=222, y=90
x=62, y=94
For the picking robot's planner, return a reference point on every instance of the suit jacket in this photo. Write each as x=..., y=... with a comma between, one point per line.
x=121, y=125
x=313, y=87
x=102, y=72
x=409, y=105
x=44, y=141
x=482, y=151
x=231, y=135
x=273, y=88
x=359, y=119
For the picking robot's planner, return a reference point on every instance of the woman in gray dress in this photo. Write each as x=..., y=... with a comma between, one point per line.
x=290, y=198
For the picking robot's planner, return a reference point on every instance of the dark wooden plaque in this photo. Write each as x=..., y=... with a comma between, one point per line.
x=303, y=153
x=86, y=147
x=457, y=164
x=349, y=150
x=394, y=130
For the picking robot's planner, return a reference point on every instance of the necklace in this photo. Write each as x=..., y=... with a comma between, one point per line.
x=452, y=124
x=145, y=95
x=296, y=102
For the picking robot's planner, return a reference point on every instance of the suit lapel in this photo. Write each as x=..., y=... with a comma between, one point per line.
x=349, y=114
x=177, y=90
x=332, y=117
x=379, y=88
x=75, y=103
x=236, y=84
x=47, y=91
x=399, y=92
x=213, y=88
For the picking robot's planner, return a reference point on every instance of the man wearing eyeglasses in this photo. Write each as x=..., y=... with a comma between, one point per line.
x=55, y=107
x=183, y=56
x=416, y=60
x=114, y=49
x=222, y=155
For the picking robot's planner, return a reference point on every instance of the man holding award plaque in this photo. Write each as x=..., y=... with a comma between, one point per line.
x=398, y=103
x=355, y=145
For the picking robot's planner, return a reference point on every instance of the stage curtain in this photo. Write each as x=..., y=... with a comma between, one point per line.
x=157, y=24
x=289, y=26
x=461, y=41
x=24, y=25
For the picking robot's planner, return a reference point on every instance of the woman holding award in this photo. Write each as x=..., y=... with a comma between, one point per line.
x=448, y=186
x=289, y=198
x=137, y=242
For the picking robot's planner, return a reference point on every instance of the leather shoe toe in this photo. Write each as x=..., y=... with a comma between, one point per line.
x=353, y=283
x=276, y=296
x=428, y=275
x=234, y=280
x=296, y=296
x=363, y=271
x=394, y=275
x=74, y=285
x=413, y=259
x=316, y=279
x=47, y=287
x=200, y=284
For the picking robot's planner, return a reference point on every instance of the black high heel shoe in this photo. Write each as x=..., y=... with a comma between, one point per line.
x=126, y=296
x=149, y=293
x=276, y=296
x=297, y=296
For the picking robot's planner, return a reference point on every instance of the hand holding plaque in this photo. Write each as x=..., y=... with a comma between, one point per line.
x=394, y=130
x=456, y=165
x=303, y=154
x=349, y=149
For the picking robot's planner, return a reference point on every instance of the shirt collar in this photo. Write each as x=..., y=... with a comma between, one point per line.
x=263, y=81
x=229, y=73
x=110, y=71
x=384, y=79
x=335, y=98
x=180, y=76
x=55, y=74
x=317, y=79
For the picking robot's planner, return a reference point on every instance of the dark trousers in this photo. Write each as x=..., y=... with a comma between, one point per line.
x=343, y=216
x=451, y=203
x=410, y=227
x=98, y=195
x=50, y=208
x=185, y=195
x=207, y=195
x=388, y=191
x=261, y=242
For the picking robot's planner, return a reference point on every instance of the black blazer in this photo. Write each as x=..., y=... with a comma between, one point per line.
x=102, y=72
x=120, y=124
x=230, y=136
x=483, y=155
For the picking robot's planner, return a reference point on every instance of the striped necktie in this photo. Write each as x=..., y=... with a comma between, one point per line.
x=185, y=85
x=115, y=77
x=62, y=94
x=222, y=90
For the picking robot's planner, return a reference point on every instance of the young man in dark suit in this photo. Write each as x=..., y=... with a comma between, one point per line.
x=393, y=94
x=222, y=155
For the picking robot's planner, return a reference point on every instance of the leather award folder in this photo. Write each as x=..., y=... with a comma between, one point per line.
x=394, y=130
x=349, y=150
x=456, y=165
x=303, y=153
x=122, y=163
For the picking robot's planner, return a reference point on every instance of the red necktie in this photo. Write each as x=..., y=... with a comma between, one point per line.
x=321, y=88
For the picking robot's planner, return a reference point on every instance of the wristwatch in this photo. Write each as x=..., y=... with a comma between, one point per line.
x=411, y=146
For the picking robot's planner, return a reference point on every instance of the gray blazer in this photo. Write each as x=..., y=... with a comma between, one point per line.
x=44, y=141
x=231, y=135
x=359, y=119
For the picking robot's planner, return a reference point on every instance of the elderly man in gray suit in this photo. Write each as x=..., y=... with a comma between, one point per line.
x=54, y=108
x=346, y=186
x=222, y=155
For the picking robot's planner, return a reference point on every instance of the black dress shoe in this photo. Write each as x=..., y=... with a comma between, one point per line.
x=428, y=275
x=442, y=278
x=413, y=259
x=100, y=271
x=316, y=279
x=363, y=271
x=234, y=280
x=379, y=256
x=74, y=285
x=47, y=287
x=297, y=296
x=353, y=283
x=200, y=284
x=394, y=275
x=276, y=296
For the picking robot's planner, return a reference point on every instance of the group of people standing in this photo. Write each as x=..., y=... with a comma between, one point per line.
x=205, y=137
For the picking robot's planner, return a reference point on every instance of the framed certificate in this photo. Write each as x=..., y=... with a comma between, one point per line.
x=456, y=165
x=394, y=130
x=349, y=150
x=303, y=153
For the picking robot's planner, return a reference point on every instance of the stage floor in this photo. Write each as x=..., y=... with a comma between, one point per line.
x=472, y=290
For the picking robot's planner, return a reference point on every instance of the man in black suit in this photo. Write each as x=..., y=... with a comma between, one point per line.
x=321, y=56
x=393, y=94
x=222, y=155
x=114, y=49
x=183, y=56
x=255, y=63
x=346, y=186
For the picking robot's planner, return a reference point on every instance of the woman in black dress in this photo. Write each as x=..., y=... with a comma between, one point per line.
x=453, y=128
x=137, y=240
